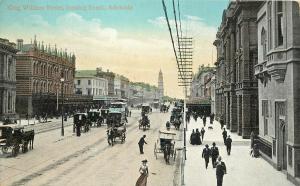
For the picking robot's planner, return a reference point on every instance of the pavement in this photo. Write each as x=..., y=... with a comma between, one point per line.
x=242, y=169
x=88, y=159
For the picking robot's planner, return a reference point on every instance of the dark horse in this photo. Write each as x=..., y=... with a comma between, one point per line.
x=28, y=138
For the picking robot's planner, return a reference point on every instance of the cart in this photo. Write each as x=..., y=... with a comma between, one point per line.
x=13, y=138
x=95, y=118
x=165, y=144
x=144, y=123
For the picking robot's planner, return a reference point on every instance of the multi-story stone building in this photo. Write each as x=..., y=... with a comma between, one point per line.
x=7, y=79
x=236, y=85
x=199, y=86
x=89, y=84
x=278, y=71
x=39, y=71
x=110, y=76
x=124, y=87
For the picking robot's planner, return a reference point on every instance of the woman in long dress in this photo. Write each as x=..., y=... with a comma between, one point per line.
x=142, y=180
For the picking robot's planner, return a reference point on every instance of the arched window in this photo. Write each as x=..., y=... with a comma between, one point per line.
x=263, y=43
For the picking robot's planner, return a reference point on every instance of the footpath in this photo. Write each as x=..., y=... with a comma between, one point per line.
x=242, y=169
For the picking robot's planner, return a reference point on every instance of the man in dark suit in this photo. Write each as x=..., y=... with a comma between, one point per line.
x=141, y=144
x=206, y=155
x=220, y=171
x=214, y=154
x=224, y=134
x=228, y=144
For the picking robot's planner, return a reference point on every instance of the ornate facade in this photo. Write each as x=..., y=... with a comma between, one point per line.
x=39, y=70
x=278, y=74
x=236, y=85
x=7, y=79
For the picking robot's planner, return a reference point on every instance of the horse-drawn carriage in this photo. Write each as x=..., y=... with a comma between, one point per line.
x=146, y=109
x=95, y=118
x=164, y=108
x=144, y=123
x=116, y=123
x=165, y=144
x=13, y=137
x=81, y=123
x=116, y=119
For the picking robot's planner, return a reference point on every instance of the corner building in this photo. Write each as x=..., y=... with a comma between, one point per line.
x=7, y=79
x=278, y=74
x=39, y=69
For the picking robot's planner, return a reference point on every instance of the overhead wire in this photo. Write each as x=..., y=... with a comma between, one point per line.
x=173, y=44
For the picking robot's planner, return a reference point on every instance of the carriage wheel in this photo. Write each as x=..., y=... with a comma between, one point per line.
x=4, y=149
x=155, y=151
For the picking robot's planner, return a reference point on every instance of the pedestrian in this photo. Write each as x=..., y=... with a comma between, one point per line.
x=193, y=138
x=202, y=133
x=220, y=171
x=206, y=155
x=222, y=121
x=198, y=137
x=204, y=120
x=228, y=144
x=78, y=132
x=142, y=180
x=214, y=154
x=224, y=134
x=141, y=144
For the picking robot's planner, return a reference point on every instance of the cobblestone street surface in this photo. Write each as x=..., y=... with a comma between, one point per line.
x=88, y=160
x=242, y=169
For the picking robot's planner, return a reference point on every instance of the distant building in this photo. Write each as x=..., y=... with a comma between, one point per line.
x=117, y=86
x=7, y=79
x=39, y=69
x=199, y=86
x=110, y=76
x=278, y=74
x=160, y=85
x=124, y=87
x=89, y=84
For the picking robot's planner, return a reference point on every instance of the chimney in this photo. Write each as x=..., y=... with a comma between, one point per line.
x=20, y=44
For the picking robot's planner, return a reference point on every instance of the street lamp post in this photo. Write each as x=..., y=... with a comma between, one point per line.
x=62, y=106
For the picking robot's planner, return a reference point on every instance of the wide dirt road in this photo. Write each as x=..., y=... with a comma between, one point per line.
x=88, y=160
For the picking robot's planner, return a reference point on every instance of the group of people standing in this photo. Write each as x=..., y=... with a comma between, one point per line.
x=197, y=137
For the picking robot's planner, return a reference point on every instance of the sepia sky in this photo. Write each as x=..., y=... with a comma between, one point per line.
x=129, y=37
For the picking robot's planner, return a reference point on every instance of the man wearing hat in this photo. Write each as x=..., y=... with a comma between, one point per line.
x=214, y=154
x=228, y=144
x=206, y=154
x=141, y=144
x=220, y=171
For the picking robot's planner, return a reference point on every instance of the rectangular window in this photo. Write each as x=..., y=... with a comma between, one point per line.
x=274, y=147
x=265, y=108
x=269, y=13
x=266, y=126
x=89, y=82
x=265, y=114
x=89, y=91
x=78, y=82
x=279, y=23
